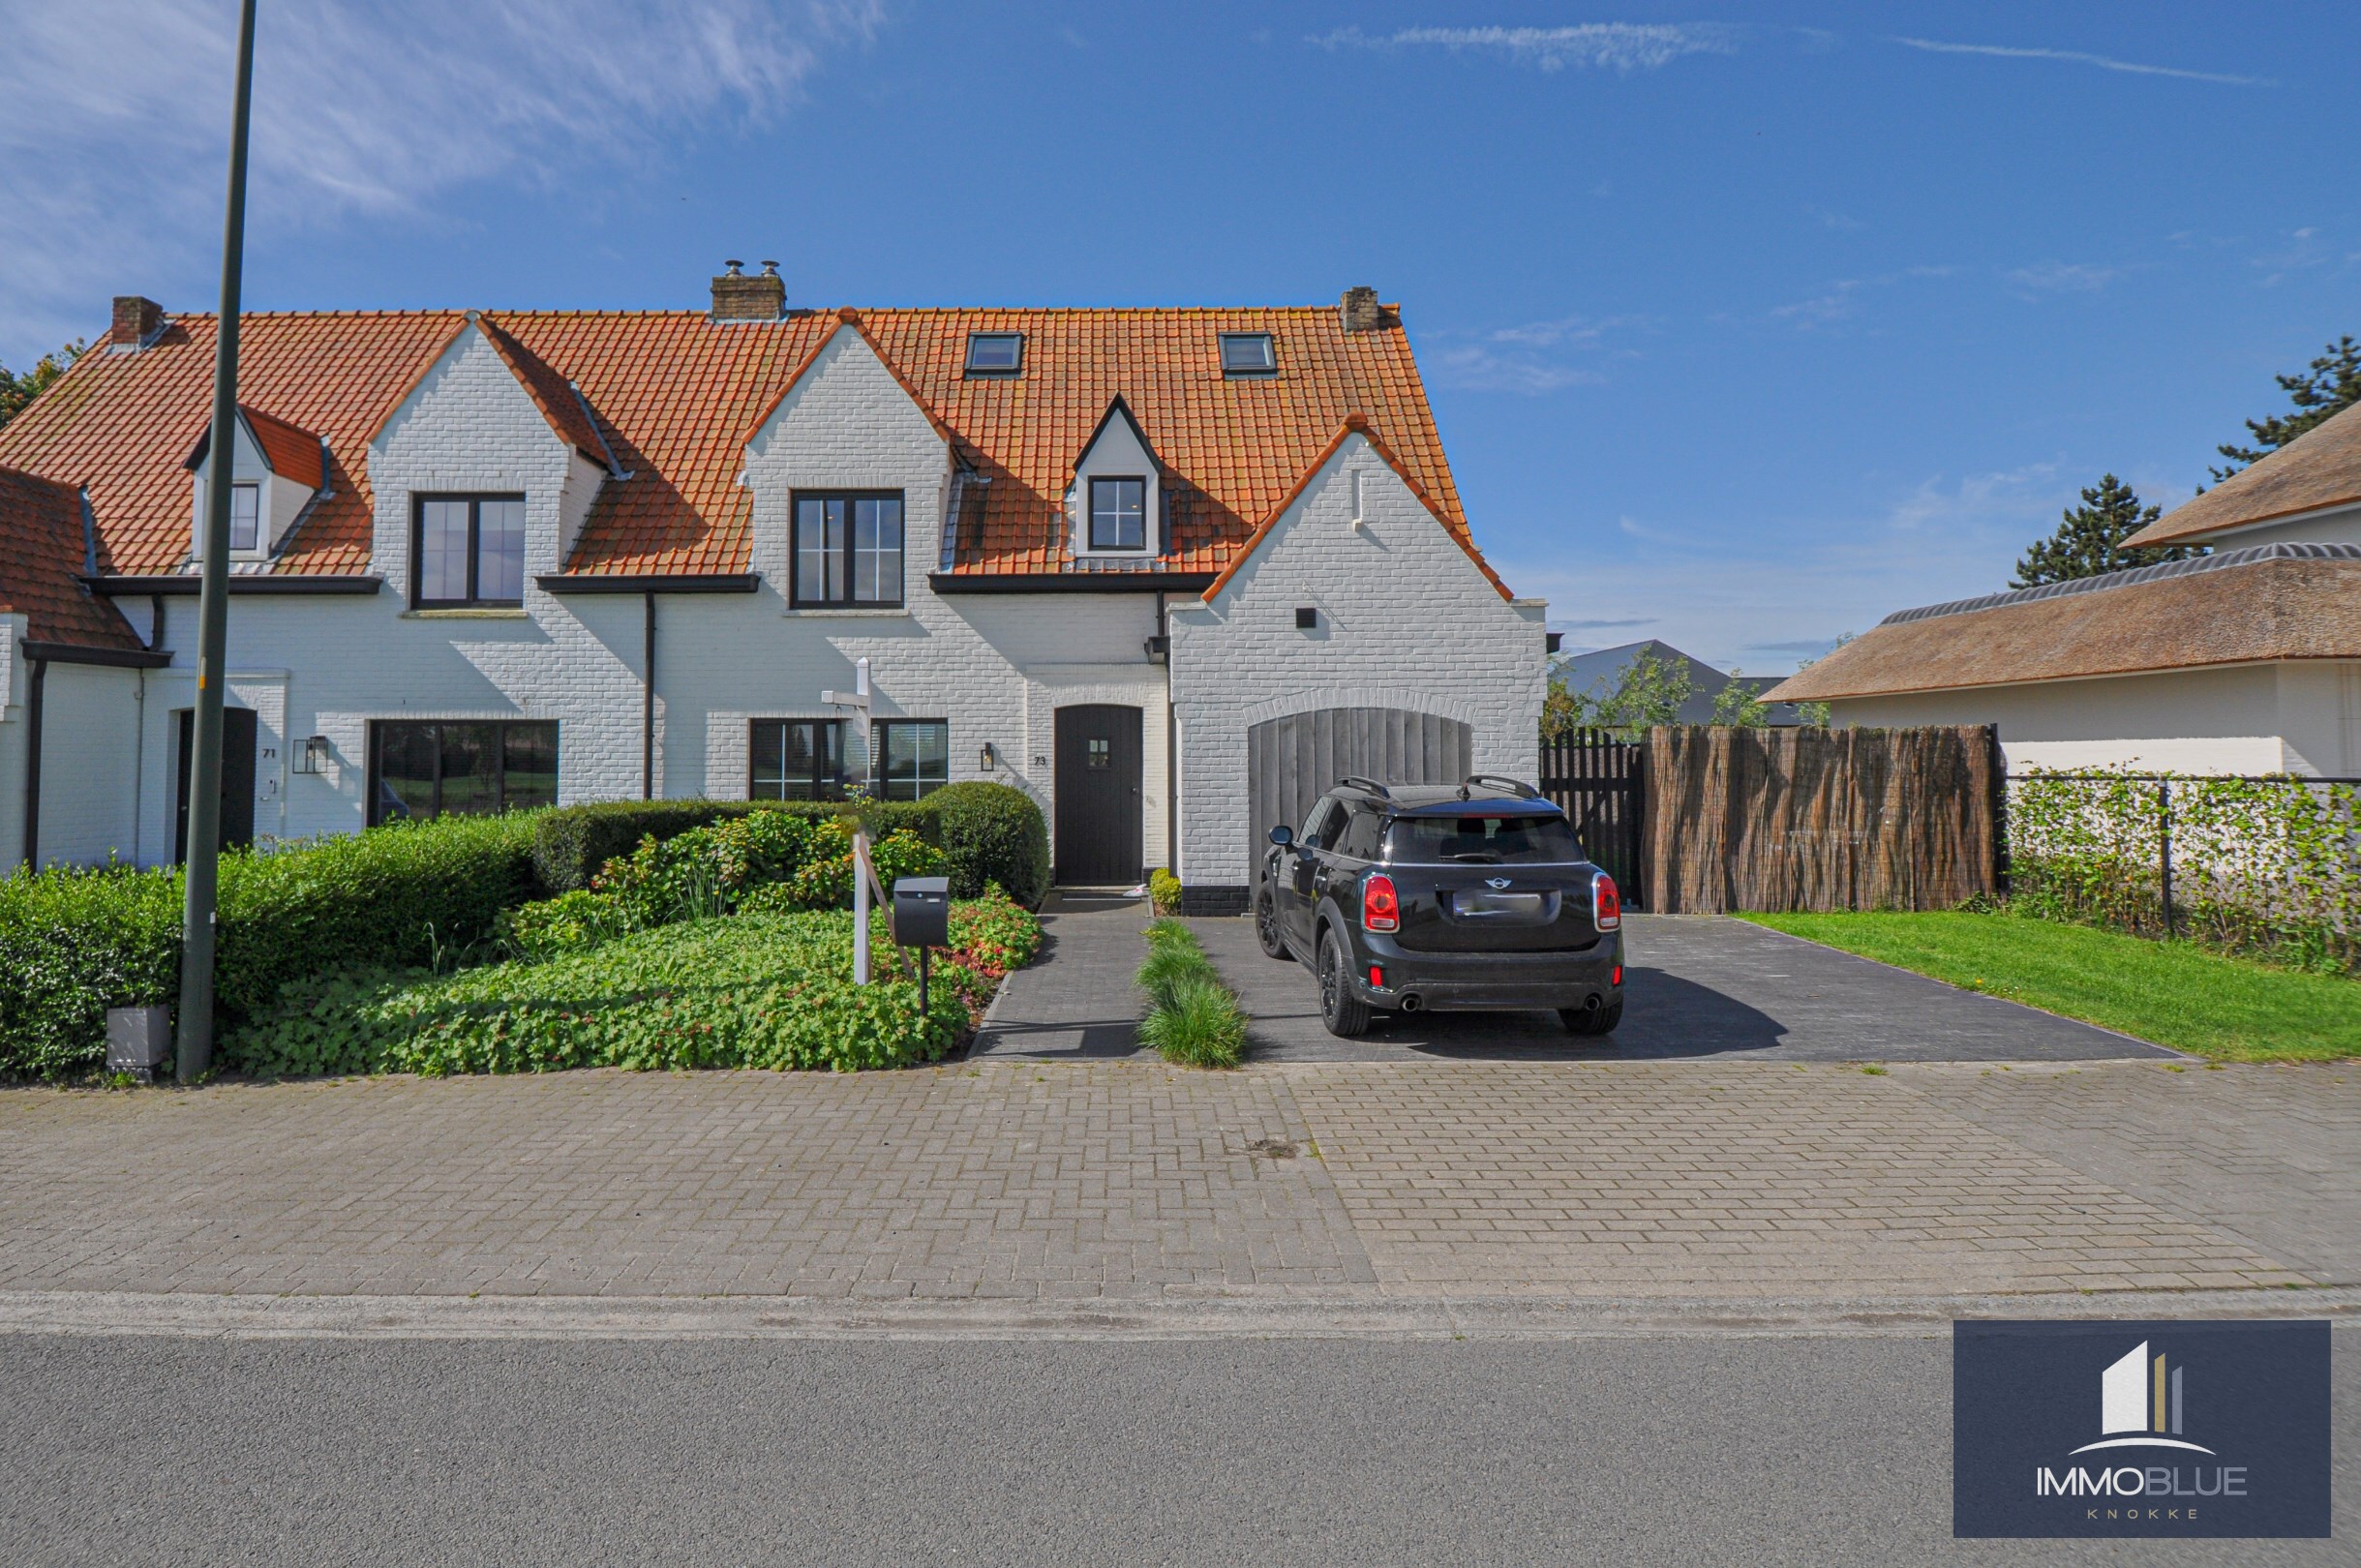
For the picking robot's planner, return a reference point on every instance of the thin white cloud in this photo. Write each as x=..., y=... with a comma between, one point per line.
x=1843, y=297
x=1475, y=367
x=2077, y=57
x=111, y=156
x=1624, y=46
x=2063, y=278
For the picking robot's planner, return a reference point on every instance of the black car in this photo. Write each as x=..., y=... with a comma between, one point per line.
x=1462, y=897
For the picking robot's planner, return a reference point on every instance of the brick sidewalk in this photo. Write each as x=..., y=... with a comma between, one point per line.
x=1127, y=1179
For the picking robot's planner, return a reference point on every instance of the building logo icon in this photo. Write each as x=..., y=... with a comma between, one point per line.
x=2139, y=1405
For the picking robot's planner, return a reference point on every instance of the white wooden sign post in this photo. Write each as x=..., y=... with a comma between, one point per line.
x=864, y=874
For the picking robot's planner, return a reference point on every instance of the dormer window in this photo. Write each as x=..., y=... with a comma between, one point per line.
x=246, y=518
x=1248, y=354
x=1118, y=514
x=995, y=353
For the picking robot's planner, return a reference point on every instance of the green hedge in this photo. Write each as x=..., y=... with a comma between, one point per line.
x=571, y=843
x=992, y=834
x=74, y=944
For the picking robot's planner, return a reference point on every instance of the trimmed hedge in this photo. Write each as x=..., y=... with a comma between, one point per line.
x=993, y=832
x=74, y=944
x=572, y=843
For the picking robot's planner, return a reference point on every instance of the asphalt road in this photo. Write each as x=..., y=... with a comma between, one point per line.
x=1691, y=1450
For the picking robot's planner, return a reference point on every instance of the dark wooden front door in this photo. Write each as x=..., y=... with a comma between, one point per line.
x=1098, y=795
x=237, y=780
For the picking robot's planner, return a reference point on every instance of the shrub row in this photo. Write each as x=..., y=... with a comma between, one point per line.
x=746, y=992
x=1193, y=1018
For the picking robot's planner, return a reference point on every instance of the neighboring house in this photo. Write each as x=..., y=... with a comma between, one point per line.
x=1598, y=672
x=2244, y=661
x=509, y=558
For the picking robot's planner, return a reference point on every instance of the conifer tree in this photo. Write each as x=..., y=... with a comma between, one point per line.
x=2330, y=386
x=2090, y=539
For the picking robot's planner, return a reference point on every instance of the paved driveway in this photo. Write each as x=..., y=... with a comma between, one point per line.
x=1695, y=985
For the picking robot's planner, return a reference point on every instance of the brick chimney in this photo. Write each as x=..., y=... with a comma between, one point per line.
x=1361, y=311
x=137, y=320
x=737, y=297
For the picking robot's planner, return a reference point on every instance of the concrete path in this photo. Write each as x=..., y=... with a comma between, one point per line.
x=1076, y=1001
x=1694, y=986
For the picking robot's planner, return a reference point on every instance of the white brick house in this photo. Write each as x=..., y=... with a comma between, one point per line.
x=512, y=557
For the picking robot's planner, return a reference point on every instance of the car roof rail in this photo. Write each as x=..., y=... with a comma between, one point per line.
x=1370, y=784
x=1517, y=787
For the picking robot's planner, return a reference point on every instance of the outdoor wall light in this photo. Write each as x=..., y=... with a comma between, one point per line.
x=984, y=759
x=314, y=755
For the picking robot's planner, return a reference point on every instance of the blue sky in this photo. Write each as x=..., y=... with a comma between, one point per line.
x=1743, y=329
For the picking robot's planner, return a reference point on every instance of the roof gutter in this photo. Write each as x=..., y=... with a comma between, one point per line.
x=652, y=582
x=1069, y=582
x=120, y=658
x=175, y=586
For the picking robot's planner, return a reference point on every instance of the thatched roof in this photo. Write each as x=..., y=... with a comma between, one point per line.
x=2320, y=468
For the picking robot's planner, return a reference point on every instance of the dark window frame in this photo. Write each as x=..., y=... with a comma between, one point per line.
x=475, y=550
x=795, y=552
x=825, y=785
x=881, y=783
x=378, y=727
x=969, y=368
x=1249, y=373
x=1146, y=545
x=246, y=487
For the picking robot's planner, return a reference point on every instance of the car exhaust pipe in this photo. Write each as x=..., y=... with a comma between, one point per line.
x=1592, y=1003
x=1410, y=1001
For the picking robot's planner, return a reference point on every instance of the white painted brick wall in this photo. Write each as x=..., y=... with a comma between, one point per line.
x=1406, y=620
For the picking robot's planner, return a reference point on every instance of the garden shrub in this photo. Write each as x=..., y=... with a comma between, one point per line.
x=747, y=991
x=75, y=943
x=574, y=843
x=994, y=833
x=1164, y=892
x=1193, y=1018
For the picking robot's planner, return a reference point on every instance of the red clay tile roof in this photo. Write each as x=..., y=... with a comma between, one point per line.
x=2320, y=468
x=41, y=554
x=675, y=397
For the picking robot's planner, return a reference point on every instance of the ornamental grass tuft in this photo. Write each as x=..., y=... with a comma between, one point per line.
x=1193, y=1019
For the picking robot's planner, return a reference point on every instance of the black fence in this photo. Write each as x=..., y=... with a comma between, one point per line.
x=1598, y=779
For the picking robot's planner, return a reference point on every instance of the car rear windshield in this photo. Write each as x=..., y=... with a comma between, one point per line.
x=1483, y=838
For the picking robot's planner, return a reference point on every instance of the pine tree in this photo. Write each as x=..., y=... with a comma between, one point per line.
x=2090, y=539
x=2331, y=385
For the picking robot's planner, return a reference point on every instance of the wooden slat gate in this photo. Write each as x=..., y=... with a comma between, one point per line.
x=1598, y=781
x=1293, y=761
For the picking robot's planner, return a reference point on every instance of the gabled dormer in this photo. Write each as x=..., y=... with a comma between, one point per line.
x=1114, y=508
x=277, y=471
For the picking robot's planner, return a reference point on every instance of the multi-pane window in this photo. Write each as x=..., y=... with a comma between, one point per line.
x=995, y=353
x=432, y=769
x=245, y=517
x=913, y=758
x=470, y=549
x=1248, y=354
x=1118, y=514
x=848, y=550
x=796, y=759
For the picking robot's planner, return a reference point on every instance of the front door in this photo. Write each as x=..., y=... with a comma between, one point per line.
x=238, y=779
x=1099, y=822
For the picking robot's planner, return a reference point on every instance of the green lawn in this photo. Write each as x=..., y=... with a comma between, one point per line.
x=2168, y=992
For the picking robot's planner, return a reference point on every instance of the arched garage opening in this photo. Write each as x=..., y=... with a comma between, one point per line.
x=1291, y=760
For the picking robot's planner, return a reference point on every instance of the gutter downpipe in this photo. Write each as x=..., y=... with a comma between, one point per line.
x=647, y=702
x=1163, y=629
x=37, y=678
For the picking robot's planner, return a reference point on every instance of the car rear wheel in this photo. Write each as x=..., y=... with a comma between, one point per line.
x=1346, y=1014
x=1266, y=924
x=1599, y=1021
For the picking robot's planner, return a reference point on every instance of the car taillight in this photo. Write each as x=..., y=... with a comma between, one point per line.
x=1606, y=904
x=1381, y=910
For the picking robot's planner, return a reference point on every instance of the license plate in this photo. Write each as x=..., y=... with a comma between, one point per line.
x=1497, y=905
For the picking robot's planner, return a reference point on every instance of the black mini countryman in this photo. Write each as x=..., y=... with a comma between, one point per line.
x=1463, y=897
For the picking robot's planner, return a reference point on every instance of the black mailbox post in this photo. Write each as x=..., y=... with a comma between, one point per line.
x=922, y=919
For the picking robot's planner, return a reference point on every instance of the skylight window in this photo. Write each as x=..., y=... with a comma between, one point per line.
x=1248, y=354
x=995, y=353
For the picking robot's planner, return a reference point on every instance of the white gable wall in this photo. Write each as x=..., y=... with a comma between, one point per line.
x=1406, y=620
x=1117, y=453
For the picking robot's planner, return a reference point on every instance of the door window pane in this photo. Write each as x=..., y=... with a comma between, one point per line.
x=500, y=551
x=406, y=772
x=245, y=517
x=471, y=771
x=443, y=550
x=1118, y=514
x=528, y=766
x=914, y=758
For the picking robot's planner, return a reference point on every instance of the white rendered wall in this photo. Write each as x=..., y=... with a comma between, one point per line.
x=11, y=743
x=2258, y=718
x=1406, y=620
x=89, y=734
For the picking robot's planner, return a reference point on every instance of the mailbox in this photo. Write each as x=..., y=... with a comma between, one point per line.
x=921, y=912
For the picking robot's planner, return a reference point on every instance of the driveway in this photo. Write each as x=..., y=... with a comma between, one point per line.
x=1695, y=985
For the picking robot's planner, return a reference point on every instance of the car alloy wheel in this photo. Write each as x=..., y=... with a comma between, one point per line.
x=1346, y=1014
x=1266, y=924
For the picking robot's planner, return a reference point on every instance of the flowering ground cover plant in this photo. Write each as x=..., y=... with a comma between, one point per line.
x=752, y=990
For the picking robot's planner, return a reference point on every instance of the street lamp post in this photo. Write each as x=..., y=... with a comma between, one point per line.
x=193, y=1042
